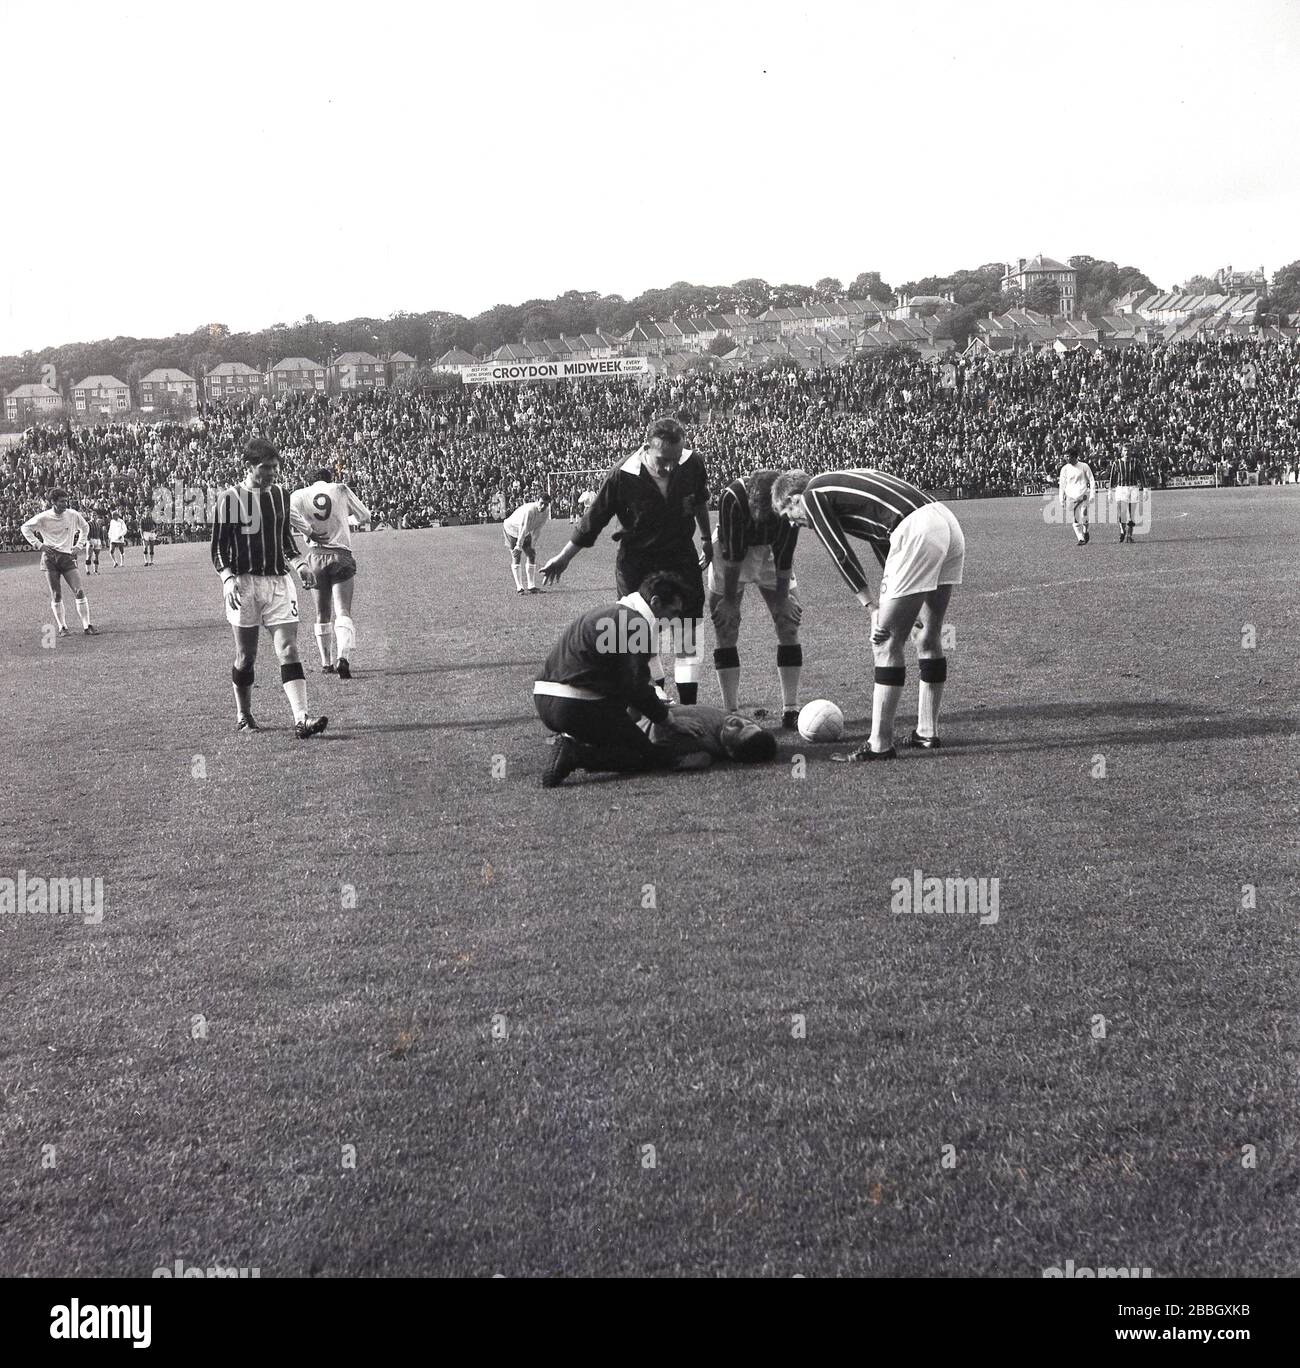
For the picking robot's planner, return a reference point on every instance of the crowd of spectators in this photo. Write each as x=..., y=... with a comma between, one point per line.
x=991, y=424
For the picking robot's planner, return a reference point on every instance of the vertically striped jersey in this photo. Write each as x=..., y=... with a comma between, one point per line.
x=868, y=504
x=251, y=532
x=739, y=531
x=59, y=531
x=1128, y=470
x=320, y=514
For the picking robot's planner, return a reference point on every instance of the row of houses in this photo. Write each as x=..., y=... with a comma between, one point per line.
x=168, y=388
x=1023, y=329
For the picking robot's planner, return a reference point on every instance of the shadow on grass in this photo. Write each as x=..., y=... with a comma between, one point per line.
x=1084, y=727
x=473, y=724
x=457, y=667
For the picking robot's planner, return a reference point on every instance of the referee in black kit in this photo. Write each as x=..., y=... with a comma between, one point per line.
x=660, y=495
x=252, y=549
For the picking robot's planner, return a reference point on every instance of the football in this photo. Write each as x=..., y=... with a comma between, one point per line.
x=821, y=720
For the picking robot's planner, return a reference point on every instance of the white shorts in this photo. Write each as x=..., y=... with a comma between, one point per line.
x=927, y=549
x=264, y=601
x=1124, y=493
x=148, y=536
x=758, y=567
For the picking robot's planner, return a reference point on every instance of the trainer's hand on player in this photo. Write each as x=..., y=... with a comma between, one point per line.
x=232, y=594
x=308, y=577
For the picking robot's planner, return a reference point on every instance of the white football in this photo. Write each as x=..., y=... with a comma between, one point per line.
x=821, y=720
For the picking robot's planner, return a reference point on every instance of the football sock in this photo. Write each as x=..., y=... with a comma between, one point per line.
x=726, y=661
x=789, y=666
x=295, y=688
x=60, y=617
x=325, y=641
x=934, y=670
x=884, y=704
x=688, y=648
x=83, y=610
x=345, y=632
x=1130, y=530
x=242, y=682
x=517, y=573
x=530, y=569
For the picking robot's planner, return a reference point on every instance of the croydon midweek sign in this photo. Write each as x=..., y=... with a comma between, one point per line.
x=506, y=372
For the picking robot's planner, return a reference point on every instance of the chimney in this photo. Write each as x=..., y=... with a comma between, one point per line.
x=1021, y=263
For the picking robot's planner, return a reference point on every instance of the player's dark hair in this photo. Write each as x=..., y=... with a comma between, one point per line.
x=324, y=473
x=786, y=483
x=58, y=496
x=259, y=450
x=664, y=584
x=665, y=429
x=756, y=749
x=759, y=487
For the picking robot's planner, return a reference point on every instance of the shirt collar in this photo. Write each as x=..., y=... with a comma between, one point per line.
x=635, y=463
x=638, y=605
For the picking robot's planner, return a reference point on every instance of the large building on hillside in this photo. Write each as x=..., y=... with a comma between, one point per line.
x=1025, y=274
x=358, y=370
x=233, y=380
x=101, y=394
x=295, y=374
x=32, y=401
x=168, y=386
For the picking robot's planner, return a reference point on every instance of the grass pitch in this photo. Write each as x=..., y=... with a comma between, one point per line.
x=462, y=1073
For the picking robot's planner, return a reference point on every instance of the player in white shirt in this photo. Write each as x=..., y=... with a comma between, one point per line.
x=322, y=513
x=59, y=532
x=1078, y=489
x=523, y=532
x=117, y=538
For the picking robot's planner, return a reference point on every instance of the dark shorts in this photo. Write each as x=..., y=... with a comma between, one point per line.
x=58, y=562
x=331, y=566
x=630, y=571
x=612, y=740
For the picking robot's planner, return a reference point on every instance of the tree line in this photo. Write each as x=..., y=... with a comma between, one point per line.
x=426, y=336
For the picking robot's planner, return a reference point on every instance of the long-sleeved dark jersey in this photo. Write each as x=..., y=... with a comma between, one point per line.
x=868, y=504
x=251, y=534
x=1128, y=470
x=654, y=526
x=739, y=531
x=602, y=651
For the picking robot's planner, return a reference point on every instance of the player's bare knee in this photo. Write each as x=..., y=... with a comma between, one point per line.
x=889, y=651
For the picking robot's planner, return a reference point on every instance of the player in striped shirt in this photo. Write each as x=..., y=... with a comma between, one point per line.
x=252, y=548
x=752, y=545
x=920, y=546
x=1128, y=479
x=58, y=532
x=1078, y=488
x=523, y=533
x=321, y=513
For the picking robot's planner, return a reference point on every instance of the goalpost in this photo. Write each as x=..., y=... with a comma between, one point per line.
x=567, y=486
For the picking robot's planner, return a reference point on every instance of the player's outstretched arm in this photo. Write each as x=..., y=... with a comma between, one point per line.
x=559, y=563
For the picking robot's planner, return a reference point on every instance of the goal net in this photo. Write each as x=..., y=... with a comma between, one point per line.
x=567, y=489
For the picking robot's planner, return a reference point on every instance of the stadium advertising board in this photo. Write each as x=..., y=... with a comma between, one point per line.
x=506, y=373
x=1189, y=481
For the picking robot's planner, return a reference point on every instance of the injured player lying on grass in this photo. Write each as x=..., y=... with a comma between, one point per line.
x=596, y=680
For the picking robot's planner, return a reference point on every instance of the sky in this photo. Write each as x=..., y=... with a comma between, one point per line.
x=170, y=165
